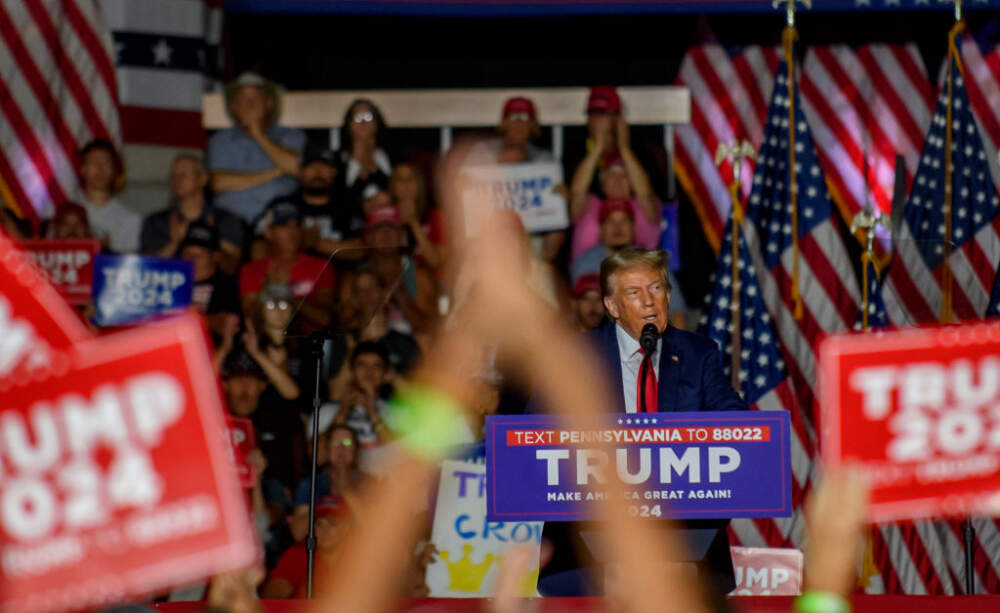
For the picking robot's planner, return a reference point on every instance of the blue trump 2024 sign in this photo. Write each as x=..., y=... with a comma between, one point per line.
x=711, y=464
x=130, y=289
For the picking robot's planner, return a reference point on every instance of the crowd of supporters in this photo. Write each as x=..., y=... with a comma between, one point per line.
x=288, y=239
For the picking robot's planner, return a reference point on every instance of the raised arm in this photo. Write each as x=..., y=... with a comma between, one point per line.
x=579, y=190
x=642, y=189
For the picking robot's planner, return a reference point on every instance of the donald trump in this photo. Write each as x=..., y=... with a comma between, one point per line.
x=682, y=372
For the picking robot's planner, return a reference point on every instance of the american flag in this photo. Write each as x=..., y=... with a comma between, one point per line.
x=167, y=57
x=826, y=279
x=873, y=101
x=864, y=106
x=921, y=278
x=728, y=104
x=932, y=561
x=982, y=83
x=57, y=92
x=763, y=379
x=877, y=317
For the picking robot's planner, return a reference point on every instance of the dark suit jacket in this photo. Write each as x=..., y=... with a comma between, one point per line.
x=690, y=379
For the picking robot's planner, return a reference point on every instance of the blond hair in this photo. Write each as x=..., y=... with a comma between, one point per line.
x=633, y=257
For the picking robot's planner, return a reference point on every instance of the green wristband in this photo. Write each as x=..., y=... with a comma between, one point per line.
x=430, y=422
x=813, y=601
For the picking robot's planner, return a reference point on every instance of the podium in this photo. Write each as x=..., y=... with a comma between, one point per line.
x=700, y=469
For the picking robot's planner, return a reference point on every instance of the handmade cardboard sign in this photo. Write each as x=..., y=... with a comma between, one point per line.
x=710, y=464
x=919, y=411
x=116, y=478
x=36, y=324
x=68, y=263
x=470, y=547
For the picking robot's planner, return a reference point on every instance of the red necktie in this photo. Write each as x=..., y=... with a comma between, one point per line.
x=646, y=385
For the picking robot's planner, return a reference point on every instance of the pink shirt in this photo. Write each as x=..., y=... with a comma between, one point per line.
x=585, y=231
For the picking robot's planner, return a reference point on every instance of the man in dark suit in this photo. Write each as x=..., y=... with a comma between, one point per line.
x=684, y=373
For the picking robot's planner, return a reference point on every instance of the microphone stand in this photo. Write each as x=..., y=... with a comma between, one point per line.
x=316, y=342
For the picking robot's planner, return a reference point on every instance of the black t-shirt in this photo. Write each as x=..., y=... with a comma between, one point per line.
x=156, y=228
x=220, y=293
x=279, y=436
x=337, y=220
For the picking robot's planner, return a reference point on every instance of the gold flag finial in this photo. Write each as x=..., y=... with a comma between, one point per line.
x=790, y=9
x=867, y=219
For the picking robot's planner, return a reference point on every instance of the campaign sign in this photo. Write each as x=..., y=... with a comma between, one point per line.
x=766, y=571
x=919, y=411
x=36, y=324
x=528, y=189
x=470, y=547
x=710, y=464
x=116, y=480
x=131, y=289
x=69, y=264
x=242, y=441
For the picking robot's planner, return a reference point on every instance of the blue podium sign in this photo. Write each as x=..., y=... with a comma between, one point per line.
x=702, y=465
x=131, y=289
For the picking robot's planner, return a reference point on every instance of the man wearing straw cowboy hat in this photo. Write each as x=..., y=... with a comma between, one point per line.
x=256, y=160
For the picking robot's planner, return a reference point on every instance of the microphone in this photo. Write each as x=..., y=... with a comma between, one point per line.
x=648, y=338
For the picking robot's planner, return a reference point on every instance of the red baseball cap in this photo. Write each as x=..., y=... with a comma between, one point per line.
x=615, y=204
x=519, y=104
x=585, y=283
x=604, y=99
x=383, y=215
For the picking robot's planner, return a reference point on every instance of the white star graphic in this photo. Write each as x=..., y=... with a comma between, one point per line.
x=161, y=52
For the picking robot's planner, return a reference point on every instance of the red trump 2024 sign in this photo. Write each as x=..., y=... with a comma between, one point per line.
x=68, y=263
x=115, y=477
x=919, y=411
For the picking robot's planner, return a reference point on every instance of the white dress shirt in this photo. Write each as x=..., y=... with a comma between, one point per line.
x=631, y=358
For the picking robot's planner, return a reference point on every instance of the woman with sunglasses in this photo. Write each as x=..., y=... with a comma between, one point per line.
x=362, y=151
x=267, y=340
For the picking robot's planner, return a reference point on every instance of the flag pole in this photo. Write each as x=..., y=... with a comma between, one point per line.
x=947, y=314
x=954, y=60
x=736, y=152
x=788, y=37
